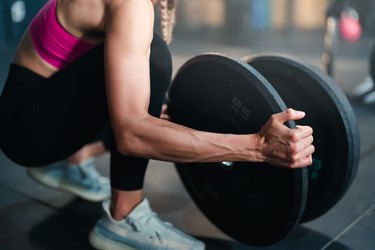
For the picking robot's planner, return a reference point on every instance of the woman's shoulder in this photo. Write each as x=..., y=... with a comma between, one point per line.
x=88, y=14
x=82, y=14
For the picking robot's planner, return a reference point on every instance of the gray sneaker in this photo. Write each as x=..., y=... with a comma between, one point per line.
x=82, y=179
x=140, y=230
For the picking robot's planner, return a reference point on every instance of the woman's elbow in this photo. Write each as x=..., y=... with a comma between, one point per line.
x=126, y=144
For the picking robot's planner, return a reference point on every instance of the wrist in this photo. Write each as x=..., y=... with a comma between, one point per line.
x=255, y=148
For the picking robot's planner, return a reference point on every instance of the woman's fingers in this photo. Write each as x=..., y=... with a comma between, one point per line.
x=288, y=115
x=287, y=147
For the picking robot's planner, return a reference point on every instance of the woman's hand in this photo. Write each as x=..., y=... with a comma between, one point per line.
x=285, y=147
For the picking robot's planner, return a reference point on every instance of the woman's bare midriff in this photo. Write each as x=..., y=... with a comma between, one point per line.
x=27, y=57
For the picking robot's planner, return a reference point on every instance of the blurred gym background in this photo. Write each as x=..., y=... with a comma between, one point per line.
x=234, y=22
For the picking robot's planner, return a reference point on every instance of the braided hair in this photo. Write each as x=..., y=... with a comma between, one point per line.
x=167, y=19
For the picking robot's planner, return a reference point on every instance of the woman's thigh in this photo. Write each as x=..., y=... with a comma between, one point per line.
x=61, y=114
x=49, y=119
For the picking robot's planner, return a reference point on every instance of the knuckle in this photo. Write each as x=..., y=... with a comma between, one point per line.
x=289, y=111
x=293, y=149
x=293, y=136
x=295, y=158
x=296, y=162
x=291, y=159
x=273, y=118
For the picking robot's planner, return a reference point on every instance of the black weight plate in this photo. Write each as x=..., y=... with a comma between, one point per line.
x=256, y=204
x=328, y=112
x=372, y=63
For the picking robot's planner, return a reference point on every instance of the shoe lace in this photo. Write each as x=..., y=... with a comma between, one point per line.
x=158, y=236
x=146, y=220
x=88, y=172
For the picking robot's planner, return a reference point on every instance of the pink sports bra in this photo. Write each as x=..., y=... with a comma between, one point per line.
x=52, y=42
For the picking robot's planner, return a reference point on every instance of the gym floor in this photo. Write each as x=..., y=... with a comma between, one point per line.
x=34, y=217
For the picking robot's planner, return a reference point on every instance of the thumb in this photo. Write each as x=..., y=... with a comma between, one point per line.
x=288, y=115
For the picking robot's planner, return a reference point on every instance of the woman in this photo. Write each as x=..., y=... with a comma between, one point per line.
x=94, y=67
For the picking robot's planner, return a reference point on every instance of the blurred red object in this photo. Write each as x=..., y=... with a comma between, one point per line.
x=350, y=27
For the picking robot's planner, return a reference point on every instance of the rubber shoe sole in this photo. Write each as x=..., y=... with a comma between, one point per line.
x=50, y=182
x=98, y=241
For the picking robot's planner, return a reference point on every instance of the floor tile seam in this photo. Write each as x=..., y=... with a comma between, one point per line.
x=350, y=226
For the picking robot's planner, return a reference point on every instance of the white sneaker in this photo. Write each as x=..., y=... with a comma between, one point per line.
x=364, y=87
x=369, y=97
x=79, y=179
x=140, y=230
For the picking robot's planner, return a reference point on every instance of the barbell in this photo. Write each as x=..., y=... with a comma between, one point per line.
x=256, y=203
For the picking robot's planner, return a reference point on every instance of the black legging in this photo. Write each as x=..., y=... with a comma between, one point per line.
x=44, y=120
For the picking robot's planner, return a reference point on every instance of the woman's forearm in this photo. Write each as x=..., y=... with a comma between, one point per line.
x=159, y=139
